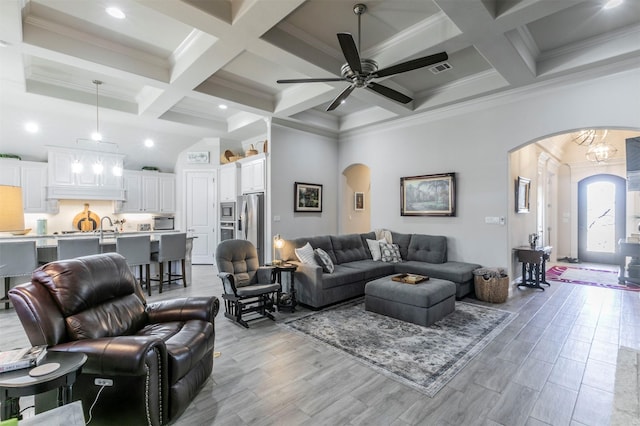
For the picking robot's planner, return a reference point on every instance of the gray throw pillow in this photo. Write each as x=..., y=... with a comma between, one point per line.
x=390, y=253
x=323, y=259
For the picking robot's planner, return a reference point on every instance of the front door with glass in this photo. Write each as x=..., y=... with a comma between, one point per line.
x=601, y=217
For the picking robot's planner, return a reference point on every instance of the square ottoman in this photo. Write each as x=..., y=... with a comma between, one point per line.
x=422, y=304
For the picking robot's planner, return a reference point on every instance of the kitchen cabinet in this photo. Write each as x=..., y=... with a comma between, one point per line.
x=10, y=171
x=252, y=173
x=229, y=182
x=148, y=192
x=32, y=177
x=84, y=174
x=167, y=192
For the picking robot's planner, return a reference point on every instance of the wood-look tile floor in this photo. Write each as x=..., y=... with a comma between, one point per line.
x=553, y=365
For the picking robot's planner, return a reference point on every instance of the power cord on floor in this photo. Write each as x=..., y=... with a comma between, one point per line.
x=94, y=403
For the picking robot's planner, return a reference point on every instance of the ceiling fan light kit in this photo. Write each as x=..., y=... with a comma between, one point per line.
x=361, y=72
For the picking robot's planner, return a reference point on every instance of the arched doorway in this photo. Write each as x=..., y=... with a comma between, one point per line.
x=601, y=217
x=356, y=210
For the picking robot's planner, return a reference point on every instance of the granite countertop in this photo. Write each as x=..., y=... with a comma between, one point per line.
x=109, y=238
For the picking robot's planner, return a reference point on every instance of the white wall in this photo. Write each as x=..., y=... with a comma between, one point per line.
x=473, y=140
x=298, y=156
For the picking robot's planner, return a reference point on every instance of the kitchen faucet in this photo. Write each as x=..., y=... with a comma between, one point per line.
x=102, y=228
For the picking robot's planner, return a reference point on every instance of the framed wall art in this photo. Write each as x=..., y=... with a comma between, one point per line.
x=523, y=190
x=307, y=197
x=428, y=195
x=358, y=201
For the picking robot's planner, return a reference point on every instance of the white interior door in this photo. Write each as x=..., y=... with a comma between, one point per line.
x=201, y=213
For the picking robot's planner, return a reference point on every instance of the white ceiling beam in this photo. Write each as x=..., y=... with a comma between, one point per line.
x=477, y=24
x=79, y=46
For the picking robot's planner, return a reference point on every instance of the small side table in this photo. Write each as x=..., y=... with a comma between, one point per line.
x=17, y=383
x=534, y=266
x=286, y=301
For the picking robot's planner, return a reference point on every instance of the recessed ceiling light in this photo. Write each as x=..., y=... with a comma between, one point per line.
x=4, y=43
x=222, y=106
x=115, y=12
x=31, y=127
x=148, y=143
x=610, y=4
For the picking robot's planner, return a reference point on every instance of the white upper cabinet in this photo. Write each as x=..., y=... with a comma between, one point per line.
x=83, y=174
x=229, y=182
x=32, y=177
x=252, y=173
x=148, y=192
x=167, y=192
x=10, y=171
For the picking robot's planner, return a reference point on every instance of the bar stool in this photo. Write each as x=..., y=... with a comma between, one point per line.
x=17, y=259
x=70, y=248
x=137, y=251
x=171, y=247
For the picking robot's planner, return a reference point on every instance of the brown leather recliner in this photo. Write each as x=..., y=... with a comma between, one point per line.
x=159, y=355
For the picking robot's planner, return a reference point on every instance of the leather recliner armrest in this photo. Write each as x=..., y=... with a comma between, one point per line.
x=184, y=309
x=116, y=356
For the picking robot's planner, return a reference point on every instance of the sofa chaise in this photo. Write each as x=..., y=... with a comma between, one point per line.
x=354, y=265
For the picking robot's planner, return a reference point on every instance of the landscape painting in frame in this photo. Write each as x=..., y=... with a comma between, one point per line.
x=428, y=195
x=307, y=197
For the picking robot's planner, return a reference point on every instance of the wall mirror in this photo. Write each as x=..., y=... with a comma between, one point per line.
x=523, y=189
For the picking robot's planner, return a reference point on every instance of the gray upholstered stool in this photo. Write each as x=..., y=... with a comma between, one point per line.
x=422, y=304
x=172, y=247
x=70, y=248
x=17, y=259
x=137, y=250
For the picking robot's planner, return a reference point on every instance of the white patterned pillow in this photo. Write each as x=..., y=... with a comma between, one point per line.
x=305, y=255
x=322, y=257
x=390, y=253
x=374, y=248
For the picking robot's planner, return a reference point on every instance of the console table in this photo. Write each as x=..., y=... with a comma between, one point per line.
x=627, y=247
x=533, y=266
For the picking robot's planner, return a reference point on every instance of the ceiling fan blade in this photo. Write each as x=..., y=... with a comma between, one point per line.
x=389, y=92
x=341, y=97
x=412, y=65
x=350, y=51
x=311, y=80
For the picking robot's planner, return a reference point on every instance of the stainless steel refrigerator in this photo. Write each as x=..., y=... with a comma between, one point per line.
x=251, y=221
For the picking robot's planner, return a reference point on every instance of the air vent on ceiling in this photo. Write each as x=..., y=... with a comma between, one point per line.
x=443, y=66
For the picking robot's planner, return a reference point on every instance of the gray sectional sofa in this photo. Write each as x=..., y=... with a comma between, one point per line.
x=354, y=266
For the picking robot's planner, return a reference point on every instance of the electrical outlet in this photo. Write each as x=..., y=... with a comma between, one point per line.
x=103, y=382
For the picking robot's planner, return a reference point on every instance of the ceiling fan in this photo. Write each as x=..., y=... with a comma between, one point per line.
x=361, y=72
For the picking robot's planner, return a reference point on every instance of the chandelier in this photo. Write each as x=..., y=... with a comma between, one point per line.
x=588, y=137
x=601, y=152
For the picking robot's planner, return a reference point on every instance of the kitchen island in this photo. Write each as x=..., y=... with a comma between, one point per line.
x=47, y=245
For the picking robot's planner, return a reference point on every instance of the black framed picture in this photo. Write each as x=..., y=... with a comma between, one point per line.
x=307, y=197
x=358, y=201
x=428, y=195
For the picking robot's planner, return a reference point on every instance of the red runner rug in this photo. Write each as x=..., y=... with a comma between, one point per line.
x=588, y=276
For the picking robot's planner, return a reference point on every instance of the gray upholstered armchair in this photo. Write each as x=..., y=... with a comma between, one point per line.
x=247, y=286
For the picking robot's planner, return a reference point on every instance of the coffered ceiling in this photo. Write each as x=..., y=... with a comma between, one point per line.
x=169, y=64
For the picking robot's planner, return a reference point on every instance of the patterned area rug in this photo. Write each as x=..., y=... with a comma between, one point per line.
x=587, y=276
x=425, y=358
